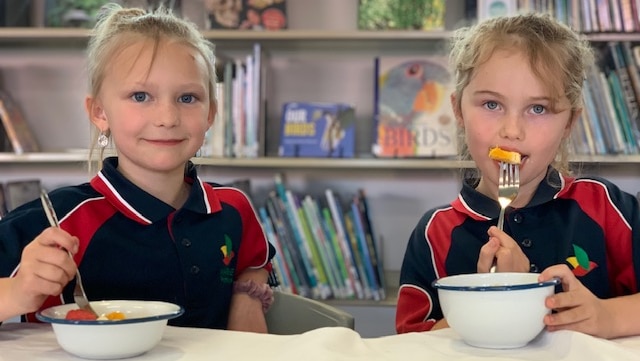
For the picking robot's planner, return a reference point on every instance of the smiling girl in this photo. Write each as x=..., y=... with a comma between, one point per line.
x=146, y=227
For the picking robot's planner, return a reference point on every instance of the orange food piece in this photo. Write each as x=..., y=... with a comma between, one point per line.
x=115, y=316
x=506, y=156
x=80, y=315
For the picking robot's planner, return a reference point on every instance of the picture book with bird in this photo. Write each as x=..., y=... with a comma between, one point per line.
x=412, y=111
x=317, y=130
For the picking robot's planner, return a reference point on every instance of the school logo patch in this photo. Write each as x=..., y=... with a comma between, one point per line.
x=226, y=273
x=580, y=263
x=227, y=251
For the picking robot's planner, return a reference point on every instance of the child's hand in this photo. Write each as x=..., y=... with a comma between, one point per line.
x=577, y=309
x=508, y=254
x=45, y=268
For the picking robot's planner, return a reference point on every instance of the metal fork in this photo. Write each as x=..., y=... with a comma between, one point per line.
x=508, y=184
x=79, y=296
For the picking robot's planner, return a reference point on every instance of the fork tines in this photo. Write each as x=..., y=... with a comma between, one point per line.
x=509, y=174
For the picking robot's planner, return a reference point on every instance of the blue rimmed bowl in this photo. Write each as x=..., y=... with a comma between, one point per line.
x=495, y=310
x=138, y=333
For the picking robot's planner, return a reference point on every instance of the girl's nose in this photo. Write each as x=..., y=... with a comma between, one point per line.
x=168, y=114
x=512, y=127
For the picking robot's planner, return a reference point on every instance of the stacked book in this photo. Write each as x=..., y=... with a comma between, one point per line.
x=325, y=249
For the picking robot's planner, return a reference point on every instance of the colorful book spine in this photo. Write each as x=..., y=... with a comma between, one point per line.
x=279, y=262
x=365, y=254
x=345, y=246
x=292, y=255
x=341, y=260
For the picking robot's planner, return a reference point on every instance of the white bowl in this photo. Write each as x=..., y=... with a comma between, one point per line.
x=495, y=310
x=139, y=332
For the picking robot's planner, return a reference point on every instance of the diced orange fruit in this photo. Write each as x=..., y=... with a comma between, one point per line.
x=506, y=156
x=115, y=315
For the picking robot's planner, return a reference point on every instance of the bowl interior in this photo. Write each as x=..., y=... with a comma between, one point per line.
x=134, y=311
x=499, y=281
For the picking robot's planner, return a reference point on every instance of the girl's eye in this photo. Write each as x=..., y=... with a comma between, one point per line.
x=187, y=98
x=538, y=109
x=491, y=105
x=139, y=96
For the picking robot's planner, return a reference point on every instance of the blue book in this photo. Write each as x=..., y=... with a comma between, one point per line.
x=317, y=130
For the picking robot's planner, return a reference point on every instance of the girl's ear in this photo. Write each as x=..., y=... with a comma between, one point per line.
x=96, y=113
x=574, y=118
x=457, y=112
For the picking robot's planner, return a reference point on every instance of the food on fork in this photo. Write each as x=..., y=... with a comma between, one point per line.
x=506, y=156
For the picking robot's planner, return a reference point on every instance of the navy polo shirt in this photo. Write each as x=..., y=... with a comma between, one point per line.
x=587, y=223
x=136, y=247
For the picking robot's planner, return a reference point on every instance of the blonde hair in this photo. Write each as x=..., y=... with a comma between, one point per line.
x=559, y=57
x=117, y=27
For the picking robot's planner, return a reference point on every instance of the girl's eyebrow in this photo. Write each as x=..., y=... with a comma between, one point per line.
x=498, y=95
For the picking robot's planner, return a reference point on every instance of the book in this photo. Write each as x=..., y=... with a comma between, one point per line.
x=372, y=242
x=15, y=126
x=292, y=256
x=214, y=139
x=279, y=261
x=317, y=130
x=5, y=142
x=335, y=209
x=494, y=8
x=413, y=116
x=401, y=14
x=247, y=14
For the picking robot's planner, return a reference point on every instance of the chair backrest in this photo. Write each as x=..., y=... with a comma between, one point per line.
x=293, y=314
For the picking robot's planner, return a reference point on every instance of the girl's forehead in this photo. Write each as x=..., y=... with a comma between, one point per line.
x=133, y=54
x=551, y=78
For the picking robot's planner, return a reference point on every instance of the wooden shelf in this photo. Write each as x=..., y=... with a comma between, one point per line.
x=26, y=34
x=309, y=163
x=32, y=34
x=236, y=39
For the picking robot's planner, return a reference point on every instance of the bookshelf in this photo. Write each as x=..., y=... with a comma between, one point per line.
x=310, y=65
x=277, y=163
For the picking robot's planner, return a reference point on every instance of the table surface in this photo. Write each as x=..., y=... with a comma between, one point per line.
x=37, y=342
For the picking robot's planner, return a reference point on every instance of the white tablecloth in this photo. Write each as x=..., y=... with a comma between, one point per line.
x=37, y=342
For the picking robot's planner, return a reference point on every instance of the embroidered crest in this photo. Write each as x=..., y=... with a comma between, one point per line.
x=227, y=250
x=226, y=273
x=580, y=263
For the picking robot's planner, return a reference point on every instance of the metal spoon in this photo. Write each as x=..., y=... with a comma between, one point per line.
x=78, y=292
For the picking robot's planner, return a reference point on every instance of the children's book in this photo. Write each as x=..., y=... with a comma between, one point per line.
x=413, y=114
x=247, y=14
x=317, y=130
x=401, y=14
x=15, y=127
x=494, y=8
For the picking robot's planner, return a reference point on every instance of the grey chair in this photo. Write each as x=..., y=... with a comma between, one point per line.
x=293, y=314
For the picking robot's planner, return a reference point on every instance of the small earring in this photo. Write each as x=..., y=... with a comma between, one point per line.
x=103, y=140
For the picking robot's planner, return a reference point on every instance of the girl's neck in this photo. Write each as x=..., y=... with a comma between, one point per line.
x=167, y=187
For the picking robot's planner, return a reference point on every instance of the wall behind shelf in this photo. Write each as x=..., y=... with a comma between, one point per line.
x=49, y=86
